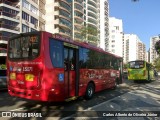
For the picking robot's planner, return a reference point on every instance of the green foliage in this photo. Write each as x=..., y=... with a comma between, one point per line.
x=157, y=47
x=89, y=30
x=3, y=67
x=157, y=63
x=125, y=65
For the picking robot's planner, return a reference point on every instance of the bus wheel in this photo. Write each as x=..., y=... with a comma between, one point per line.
x=89, y=91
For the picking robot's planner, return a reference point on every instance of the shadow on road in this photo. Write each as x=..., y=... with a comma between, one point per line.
x=64, y=109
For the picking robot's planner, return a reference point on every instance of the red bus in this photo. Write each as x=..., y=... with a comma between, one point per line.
x=48, y=67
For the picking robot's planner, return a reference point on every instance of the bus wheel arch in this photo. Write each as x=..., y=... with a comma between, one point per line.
x=90, y=89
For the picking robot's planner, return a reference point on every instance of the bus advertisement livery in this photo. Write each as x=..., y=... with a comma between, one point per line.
x=48, y=67
x=140, y=70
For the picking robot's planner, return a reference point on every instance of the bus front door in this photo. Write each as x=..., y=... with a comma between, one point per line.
x=70, y=63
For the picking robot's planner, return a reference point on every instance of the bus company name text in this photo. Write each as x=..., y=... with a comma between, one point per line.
x=18, y=114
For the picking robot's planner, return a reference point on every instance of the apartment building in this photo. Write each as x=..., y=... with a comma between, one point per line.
x=9, y=24
x=32, y=14
x=92, y=20
x=114, y=45
x=148, y=56
x=133, y=48
x=141, y=51
x=65, y=17
x=59, y=17
x=70, y=17
x=17, y=16
x=153, y=53
x=104, y=24
x=77, y=19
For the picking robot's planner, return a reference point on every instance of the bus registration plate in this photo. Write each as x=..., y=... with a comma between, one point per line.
x=29, y=77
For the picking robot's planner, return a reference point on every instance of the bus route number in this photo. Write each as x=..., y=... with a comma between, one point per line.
x=27, y=69
x=33, y=39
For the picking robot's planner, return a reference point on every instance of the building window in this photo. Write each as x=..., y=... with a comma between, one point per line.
x=25, y=16
x=113, y=50
x=26, y=4
x=34, y=9
x=113, y=36
x=113, y=41
x=33, y=29
x=34, y=20
x=25, y=28
x=113, y=31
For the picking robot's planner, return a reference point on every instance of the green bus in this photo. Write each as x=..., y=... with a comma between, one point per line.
x=140, y=70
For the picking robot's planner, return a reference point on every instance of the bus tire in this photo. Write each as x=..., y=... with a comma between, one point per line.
x=89, y=91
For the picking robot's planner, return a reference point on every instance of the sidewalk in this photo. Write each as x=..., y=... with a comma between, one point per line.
x=139, y=103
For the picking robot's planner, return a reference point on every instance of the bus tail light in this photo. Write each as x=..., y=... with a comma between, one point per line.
x=12, y=76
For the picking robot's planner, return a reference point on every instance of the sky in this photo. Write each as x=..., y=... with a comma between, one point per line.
x=141, y=18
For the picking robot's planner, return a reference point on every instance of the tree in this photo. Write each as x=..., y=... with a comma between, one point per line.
x=89, y=33
x=157, y=47
x=157, y=63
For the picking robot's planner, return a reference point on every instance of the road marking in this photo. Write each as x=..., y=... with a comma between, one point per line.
x=72, y=116
x=25, y=108
x=17, y=109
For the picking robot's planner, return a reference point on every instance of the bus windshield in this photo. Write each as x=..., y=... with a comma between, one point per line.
x=136, y=64
x=24, y=47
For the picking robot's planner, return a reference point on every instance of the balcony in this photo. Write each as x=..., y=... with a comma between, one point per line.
x=92, y=2
x=3, y=52
x=80, y=5
x=78, y=37
x=64, y=24
x=4, y=38
x=92, y=22
x=10, y=27
x=63, y=6
x=10, y=3
x=63, y=32
x=78, y=16
x=93, y=15
x=7, y=14
x=79, y=2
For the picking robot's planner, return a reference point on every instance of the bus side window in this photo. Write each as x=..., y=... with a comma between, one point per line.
x=72, y=59
x=56, y=48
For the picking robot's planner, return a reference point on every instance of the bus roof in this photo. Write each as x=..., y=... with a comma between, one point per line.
x=139, y=60
x=83, y=44
x=68, y=40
